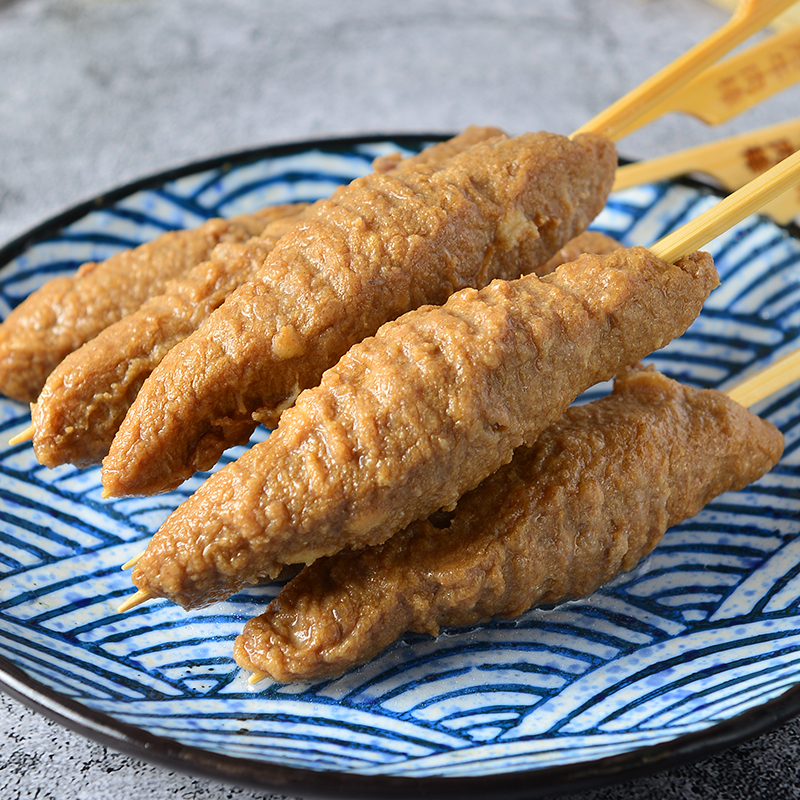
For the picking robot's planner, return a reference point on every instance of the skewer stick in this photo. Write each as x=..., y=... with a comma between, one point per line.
x=257, y=677
x=134, y=600
x=725, y=160
x=766, y=381
x=750, y=16
x=730, y=210
x=132, y=562
x=22, y=436
x=720, y=93
x=717, y=220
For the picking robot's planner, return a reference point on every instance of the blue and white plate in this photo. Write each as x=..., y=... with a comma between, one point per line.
x=697, y=648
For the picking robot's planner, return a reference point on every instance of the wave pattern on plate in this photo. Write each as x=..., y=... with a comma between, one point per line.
x=707, y=627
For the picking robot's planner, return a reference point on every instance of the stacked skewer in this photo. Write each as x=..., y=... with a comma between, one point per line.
x=210, y=563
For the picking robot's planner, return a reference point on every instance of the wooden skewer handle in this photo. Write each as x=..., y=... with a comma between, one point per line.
x=750, y=16
x=735, y=84
x=733, y=162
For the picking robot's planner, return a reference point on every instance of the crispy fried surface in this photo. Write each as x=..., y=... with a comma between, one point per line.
x=385, y=244
x=413, y=418
x=587, y=501
x=66, y=312
x=86, y=397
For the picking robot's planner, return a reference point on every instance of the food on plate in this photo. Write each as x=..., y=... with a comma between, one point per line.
x=86, y=397
x=590, y=498
x=66, y=312
x=387, y=243
x=419, y=414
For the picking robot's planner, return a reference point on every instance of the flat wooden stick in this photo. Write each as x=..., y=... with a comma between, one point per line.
x=731, y=87
x=750, y=16
x=730, y=210
x=732, y=162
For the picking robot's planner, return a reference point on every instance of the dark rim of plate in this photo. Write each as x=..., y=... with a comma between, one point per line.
x=309, y=783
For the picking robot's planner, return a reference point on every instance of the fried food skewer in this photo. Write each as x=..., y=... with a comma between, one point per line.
x=68, y=311
x=384, y=245
x=250, y=518
x=586, y=502
x=86, y=397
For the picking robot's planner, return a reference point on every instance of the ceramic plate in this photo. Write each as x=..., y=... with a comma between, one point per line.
x=695, y=649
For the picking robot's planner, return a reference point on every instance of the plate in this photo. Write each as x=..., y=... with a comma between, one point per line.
x=695, y=649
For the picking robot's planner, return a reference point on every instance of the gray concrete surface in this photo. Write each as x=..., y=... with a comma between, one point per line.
x=95, y=93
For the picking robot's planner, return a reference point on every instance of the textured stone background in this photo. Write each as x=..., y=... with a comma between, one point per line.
x=95, y=93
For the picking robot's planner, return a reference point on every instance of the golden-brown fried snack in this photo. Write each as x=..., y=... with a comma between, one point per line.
x=587, y=501
x=67, y=312
x=413, y=418
x=381, y=246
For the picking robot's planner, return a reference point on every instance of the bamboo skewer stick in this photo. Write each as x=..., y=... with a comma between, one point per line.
x=133, y=601
x=729, y=88
x=750, y=16
x=767, y=381
x=22, y=436
x=132, y=562
x=730, y=210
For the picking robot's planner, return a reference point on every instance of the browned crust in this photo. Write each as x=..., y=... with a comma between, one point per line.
x=386, y=244
x=413, y=418
x=67, y=312
x=86, y=397
x=587, y=501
